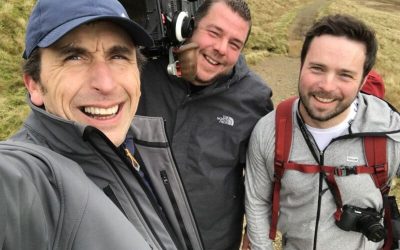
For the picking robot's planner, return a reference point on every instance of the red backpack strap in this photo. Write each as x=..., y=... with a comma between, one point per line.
x=375, y=151
x=283, y=141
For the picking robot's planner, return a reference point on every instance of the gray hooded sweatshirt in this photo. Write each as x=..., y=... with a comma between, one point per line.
x=303, y=196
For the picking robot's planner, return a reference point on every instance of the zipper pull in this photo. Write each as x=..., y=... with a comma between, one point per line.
x=164, y=178
x=135, y=164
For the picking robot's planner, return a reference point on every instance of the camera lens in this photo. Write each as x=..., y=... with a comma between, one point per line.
x=372, y=228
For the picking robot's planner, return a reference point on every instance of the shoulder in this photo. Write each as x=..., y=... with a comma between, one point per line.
x=367, y=119
x=39, y=164
x=249, y=81
x=265, y=127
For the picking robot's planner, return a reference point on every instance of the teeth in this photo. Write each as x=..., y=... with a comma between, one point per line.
x=324, y=100
x=211, y=60
x=101, y=111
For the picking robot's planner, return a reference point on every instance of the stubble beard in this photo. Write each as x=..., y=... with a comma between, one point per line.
x=326, y=116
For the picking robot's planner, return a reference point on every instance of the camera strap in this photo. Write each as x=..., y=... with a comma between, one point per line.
x=376, y=166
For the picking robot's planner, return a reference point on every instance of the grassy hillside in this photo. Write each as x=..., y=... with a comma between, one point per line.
x=13, y=16
x=271, y=24
x=270, y=34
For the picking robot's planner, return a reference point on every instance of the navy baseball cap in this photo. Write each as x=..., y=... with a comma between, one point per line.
x=52, y=19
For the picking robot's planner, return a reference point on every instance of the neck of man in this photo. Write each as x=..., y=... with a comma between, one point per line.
x=223, y=77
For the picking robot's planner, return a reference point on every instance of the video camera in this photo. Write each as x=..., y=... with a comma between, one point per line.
x=169, y=23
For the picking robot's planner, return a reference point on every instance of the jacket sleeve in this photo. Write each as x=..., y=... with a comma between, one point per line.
x=258, y=184
x=22, y=221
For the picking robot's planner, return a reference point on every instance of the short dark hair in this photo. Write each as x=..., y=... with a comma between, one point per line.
x=32, y=66
x=238, y=6
x=347, y=26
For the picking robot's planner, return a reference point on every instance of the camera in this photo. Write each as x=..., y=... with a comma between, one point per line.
x=363, y=220
x=169, y=22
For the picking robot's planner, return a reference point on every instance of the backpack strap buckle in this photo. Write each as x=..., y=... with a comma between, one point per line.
x=345, y=170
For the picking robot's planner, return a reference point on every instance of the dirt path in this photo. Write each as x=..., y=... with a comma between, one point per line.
x=281, y=72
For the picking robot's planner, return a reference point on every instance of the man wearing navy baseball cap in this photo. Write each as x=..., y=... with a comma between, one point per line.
x=83, y=172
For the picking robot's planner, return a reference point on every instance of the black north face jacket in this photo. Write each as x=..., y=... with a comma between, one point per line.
x=209, y=132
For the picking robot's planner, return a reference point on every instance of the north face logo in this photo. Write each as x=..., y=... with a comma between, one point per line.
x=227, y=120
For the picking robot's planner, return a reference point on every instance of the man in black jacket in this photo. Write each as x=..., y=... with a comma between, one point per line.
x=210, y=117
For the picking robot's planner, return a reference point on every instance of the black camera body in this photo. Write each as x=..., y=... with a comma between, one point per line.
x=364, y=220
x=169, y=22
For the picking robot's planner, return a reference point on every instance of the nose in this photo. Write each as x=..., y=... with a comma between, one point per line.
x=221, y=46
x=328, y=82
x=101, y=77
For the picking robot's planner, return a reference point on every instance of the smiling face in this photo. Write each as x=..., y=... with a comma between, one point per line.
x=221, y=35
x=90, y=76
x=330, y=79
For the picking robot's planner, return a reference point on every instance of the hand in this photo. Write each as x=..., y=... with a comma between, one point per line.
x=246, y=242
x=187, y=61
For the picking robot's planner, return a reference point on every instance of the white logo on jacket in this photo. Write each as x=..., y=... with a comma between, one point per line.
x=227, y=120
x=352, y=159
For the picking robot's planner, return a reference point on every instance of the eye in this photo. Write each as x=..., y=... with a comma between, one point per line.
x=316, y=69
x=73, y=57
x=346, y=77
x=119, y=57
x=236, y=46
x=213, y=33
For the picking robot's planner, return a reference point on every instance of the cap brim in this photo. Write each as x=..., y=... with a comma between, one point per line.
x=137, y=33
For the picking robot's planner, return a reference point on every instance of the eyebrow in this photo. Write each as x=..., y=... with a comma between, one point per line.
x=70, y=49
x=73, y=49
x=120, y=49
x=351, y=72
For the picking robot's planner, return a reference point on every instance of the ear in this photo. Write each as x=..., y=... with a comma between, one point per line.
x=364, y=81
x=35, y=90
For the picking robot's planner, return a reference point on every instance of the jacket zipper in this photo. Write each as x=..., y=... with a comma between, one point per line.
x=165, y=180
x=183, y=187
x=320, y=160
x=135, y=167
x=321, y=178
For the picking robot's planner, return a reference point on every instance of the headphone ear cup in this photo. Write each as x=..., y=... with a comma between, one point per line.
x=182, y=26
x=187, y=27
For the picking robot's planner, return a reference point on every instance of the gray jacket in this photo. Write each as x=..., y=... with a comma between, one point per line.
x=303, y=196
x=209, y=131
x=82, y=154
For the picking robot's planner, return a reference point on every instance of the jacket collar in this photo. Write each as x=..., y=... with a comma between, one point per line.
x=374, y=116
x=63, y=136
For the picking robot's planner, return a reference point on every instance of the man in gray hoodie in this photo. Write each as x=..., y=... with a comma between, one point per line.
x=329, y=123
x=80, y=174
